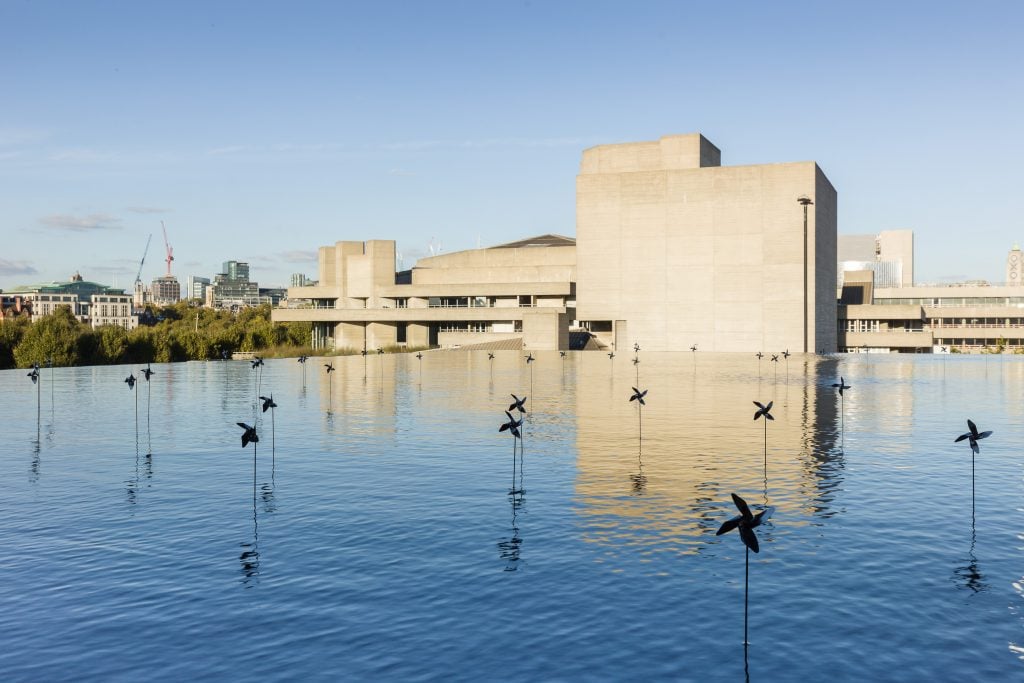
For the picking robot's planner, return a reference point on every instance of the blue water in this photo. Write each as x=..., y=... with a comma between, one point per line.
x=379, y=540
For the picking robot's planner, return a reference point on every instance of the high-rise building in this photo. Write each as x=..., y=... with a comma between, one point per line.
x=166, y=290
x=232, y=288
x=196, y=287
x=889, y=255
x=300, y=280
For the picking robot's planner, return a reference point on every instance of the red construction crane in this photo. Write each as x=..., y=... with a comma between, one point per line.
x=170, y=251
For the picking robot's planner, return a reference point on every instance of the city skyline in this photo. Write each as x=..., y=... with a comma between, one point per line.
x=258, y=133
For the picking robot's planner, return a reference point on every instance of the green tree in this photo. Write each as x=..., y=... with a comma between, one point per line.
x=11, y=332
x=53, y=336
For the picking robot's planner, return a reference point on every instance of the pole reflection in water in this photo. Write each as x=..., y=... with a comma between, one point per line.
x=34, y=467
x=510, y=549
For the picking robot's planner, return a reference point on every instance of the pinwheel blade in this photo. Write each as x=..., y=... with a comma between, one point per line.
x=728, y=525
x=742, y=506
x=749, y=538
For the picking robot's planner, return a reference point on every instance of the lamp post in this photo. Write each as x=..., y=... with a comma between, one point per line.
x=805, y=201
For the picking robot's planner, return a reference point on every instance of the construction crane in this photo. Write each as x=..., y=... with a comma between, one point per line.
x=138, y=275
x=170, y=252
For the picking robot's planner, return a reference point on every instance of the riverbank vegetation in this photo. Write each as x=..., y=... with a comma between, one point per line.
x=178, y=333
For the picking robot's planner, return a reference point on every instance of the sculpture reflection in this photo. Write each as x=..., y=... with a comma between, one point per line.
x=699, y=440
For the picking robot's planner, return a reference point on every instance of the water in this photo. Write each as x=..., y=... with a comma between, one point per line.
x=381, y=541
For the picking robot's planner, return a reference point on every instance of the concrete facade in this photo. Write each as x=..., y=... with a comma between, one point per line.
x=523, y=290
x=931, y=319
x=674, y=249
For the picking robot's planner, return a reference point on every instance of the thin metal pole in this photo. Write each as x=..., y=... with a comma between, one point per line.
x=746, y=594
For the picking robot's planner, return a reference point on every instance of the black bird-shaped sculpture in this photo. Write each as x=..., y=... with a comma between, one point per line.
x=530, y=358
x=34, y=375
x=419, y=356
x=638, y=396
x=518, y=403
x=973, y=436
x=746, y=522
x=256, y=362
x=268, y=402
x=611, y=354
x=759, y=355
x=562, y=354
x=249, y=435
x=636, y=347
x=512, y=426
x=841, y=385
x=490, y=356
x=763, y=410
x=130, y=380
x=330, y=368
x=694, y=348
x=302, y=359
x=147, y=372
x=786, y=354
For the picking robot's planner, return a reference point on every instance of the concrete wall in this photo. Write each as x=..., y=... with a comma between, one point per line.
x=708, y=255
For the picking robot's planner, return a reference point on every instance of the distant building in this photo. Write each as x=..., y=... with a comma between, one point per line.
x=300, y=280
x=166, y=290
x=231, y=288
x=889, y=255
x=195, y=287
x=1014, y=265
x=90, y=302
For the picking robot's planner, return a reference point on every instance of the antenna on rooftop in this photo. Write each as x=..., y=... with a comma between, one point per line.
x=431, y=246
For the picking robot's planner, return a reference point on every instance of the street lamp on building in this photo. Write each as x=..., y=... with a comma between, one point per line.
x=805, y=201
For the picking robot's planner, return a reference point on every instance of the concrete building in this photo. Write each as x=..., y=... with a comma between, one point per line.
x=964, y=318
x=520, y=293
x=675, y=249
x=889, y=254
x=1015, y=267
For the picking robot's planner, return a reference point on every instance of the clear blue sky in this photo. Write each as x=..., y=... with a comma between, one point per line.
x=259, y=131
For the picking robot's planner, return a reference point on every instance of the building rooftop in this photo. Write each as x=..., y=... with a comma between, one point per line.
x=539, y=241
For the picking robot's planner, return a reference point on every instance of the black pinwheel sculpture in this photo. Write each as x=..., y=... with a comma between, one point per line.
x=611, y=355
x=765, y=412
x=130, y=381
x=841, y=385
x=34, y=374
x=268, y=404
x=512, y=426
x=636, y=347
x=973, y=436
x=518, y=403
x=746, y=522
x=302, y=361
x=638, y=396
x=330, y=385
x=249, y=436
x=490, y=356
x=147, y=372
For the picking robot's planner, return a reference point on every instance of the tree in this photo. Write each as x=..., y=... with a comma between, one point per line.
x=54, y=336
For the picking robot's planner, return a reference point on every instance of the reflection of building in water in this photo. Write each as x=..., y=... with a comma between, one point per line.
x=700, y=445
